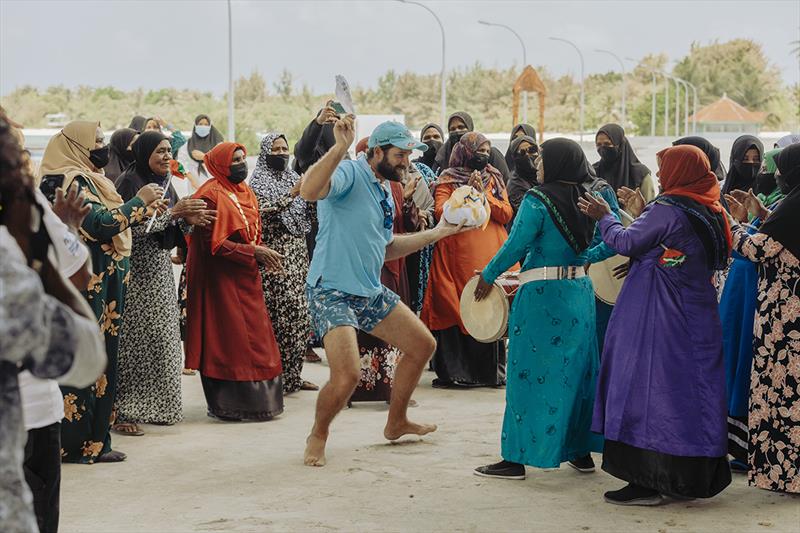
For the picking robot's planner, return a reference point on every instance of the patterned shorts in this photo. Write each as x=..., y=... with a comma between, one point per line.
x=330, y=308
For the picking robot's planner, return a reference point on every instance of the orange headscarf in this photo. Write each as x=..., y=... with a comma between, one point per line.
x=237, y=206
x=684, y=170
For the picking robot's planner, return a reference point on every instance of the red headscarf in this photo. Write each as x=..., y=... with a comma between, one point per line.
x=684, y=170
x=237, y=206
x=362, y=145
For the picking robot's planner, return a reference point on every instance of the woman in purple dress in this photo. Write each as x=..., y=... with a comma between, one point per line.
x=661, y=392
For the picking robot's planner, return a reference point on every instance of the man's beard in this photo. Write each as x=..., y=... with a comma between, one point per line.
x=390, y=172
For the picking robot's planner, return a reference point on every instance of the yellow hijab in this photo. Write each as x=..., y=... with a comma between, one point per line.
x=72, y=160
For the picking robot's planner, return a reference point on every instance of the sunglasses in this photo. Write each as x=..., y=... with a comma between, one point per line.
x=388, y=215
x=530, y=150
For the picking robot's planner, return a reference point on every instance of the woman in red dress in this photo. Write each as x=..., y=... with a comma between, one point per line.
x=229, y=332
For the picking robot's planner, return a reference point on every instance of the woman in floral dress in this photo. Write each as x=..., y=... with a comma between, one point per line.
x=76, y=155
x=774, y=415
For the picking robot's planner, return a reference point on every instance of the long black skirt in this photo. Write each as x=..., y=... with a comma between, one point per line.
x=460, y=360
x=243, y=400
x=671, y=475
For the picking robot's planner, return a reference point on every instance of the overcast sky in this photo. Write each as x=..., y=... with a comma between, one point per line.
x=183, y=43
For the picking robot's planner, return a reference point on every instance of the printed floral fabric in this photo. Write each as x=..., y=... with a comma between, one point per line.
x=88, y=412
x=774, y=417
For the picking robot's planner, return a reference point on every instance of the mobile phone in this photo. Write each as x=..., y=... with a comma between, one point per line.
x=339, y=108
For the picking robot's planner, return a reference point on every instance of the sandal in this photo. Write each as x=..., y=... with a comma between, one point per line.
x=312, y=357
x=111, y=457
x=127, y=428
x=189, y=372
x=307, y=385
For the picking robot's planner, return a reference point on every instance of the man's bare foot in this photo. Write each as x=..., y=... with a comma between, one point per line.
x=315, y=451
x=395, y=431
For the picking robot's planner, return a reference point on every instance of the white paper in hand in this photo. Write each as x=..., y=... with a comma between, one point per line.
x=343, y=94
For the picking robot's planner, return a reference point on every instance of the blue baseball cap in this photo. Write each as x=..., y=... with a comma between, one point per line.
x=395, y=134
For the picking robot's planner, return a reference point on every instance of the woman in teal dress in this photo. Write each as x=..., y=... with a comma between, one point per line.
x=76, y=155
x=553, y=358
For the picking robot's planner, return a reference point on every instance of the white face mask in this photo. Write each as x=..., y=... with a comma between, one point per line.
x=202, y=131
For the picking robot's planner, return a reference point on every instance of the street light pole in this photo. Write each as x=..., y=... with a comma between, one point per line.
x=582, y=79
x=524, y=63
x=685, y=106
x=622, y=65
x=694, y=107
x=444, y=79
x=231, y=118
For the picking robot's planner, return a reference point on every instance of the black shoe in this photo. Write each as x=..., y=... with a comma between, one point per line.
x=634, y=495
x=502, y=470
x=583, y=464
x=440, y=384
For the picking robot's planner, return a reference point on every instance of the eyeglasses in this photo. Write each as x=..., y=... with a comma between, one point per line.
x=530, y=150
x=388, y=215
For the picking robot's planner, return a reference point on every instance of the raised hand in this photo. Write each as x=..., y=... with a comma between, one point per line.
x=410, y=186
x=70, y=208
x=631, y=200
x=593, y=206
x=736, y=209
x=150, y=193
x=344, y=131
x=752, y=202
x=327, y=115
x=476, y=181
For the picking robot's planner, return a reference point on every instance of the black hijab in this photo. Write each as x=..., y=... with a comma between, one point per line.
x=204, y=144
x=783, y=225
x=625, y=170
x=738, y=178
x=138, y=123
x=566, y=178
x=429, y=156
x=496, y=158
x=119, y=157
x=526, y=129
x=139, y=173
x=711, y=151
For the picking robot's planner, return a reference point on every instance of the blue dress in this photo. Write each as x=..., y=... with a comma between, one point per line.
x=553, y=359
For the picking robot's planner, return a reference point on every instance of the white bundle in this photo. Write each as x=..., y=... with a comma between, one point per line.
x=467, y=205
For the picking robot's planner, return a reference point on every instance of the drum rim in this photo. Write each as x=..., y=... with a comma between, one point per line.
x=506, y=308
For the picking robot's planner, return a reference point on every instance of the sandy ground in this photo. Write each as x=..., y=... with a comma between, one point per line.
x=205, y=475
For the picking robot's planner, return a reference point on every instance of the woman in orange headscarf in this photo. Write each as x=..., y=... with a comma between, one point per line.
x=661, y=399
x=459, y=359
x=229, y=332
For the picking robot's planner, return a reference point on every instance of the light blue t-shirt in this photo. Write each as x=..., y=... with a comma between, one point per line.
x=352, y=239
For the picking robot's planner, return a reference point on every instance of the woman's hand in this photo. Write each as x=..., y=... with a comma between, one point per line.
x=295, y=192
x=483, y=288
x=737, y=210
x=593, y=206
x=70, y=208
x=475, y=181
x=622, y=270
x=197, y=155
x=631, y=200
x=269, y=258
x=752, y=202
x=187, y=207
x=150, y=193
x=410, y=186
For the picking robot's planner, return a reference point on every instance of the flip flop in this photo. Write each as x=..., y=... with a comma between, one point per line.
x=129, y=429
x=307, y=385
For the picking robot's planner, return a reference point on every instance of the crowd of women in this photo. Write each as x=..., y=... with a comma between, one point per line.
x=705, y=330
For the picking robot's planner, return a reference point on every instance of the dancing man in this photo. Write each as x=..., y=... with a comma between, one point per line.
x=344, y=290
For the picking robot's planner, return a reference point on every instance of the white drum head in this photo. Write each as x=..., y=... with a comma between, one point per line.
x=487, y=320
x=606, y=286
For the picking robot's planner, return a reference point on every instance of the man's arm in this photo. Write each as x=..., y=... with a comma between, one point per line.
x=316, y=182
x=403, y=245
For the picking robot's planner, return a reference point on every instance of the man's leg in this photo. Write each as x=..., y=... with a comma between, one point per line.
x=341, y=349
x=402, y=329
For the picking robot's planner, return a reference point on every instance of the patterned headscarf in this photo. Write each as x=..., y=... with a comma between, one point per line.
x=458, y=173
x=272, y=185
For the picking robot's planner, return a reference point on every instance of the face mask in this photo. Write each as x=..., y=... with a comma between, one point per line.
x=433, y=148
x=608, y=154
x=765, y=183
x=128, y=157
x=389, y=172
x=278, y=162
x=99, y=156
x=748, y=171
x=202, y=131
x=238, y=173
x=525, y=166
x=478, y=161
x=456, y=135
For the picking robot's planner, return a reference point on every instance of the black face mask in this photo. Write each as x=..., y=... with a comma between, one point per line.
x=433, y=149
x=478, y=161
x=238, y=173
x=525, y=167
x=456, y=136
x=608, y=154
x=128, y=157
x=788, y=183
x=748, y=171
x=278, y=162
x=765, y=183
x=99, y=156
x=388, y=171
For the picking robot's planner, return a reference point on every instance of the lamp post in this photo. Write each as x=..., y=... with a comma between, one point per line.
x=444, y=79
x=622, y=66
x=582, y=80
x=694, y=107
x=524, y=63
x=685, y=105
x=231, y=118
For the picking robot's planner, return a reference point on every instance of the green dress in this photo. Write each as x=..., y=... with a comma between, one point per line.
x=88, y=412
x=552, y=351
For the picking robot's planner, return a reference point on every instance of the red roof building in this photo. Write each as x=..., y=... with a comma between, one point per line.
x=726, y=115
